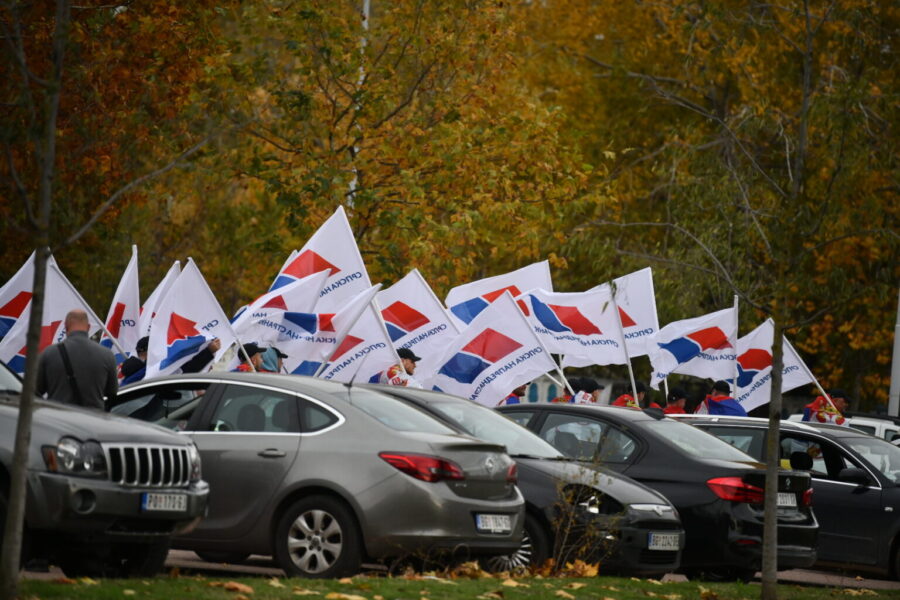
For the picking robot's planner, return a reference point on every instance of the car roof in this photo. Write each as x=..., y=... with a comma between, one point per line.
x=622, y=413
x=829, y=428
x=297, y=383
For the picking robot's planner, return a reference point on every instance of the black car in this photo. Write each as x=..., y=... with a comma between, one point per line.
x=636, y=530
x=856, y=483
x=717, y=489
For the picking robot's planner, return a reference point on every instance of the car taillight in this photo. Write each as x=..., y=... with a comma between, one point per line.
x=424, y=467
x=806, y=498
x=735, y=490
x=512, y=474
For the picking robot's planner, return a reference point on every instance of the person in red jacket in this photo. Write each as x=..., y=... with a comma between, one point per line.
x=629, y=401
x=675, y=402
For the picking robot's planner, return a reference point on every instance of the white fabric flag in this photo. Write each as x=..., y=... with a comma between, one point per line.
x=468, y=300
x=188, y=317
x=754, y=382
x=702, y=346
x=15, y=295
x=365, y=352
x=60, y=296
x=496, y=353
x=637, y=309
x=331, y=247
x=417, y=320
x=124, y=311
x=151, y=304
x=309, y=339
x=581, y=325
x=298, y=296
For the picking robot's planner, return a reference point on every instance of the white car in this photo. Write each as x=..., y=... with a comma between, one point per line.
x=882, y=428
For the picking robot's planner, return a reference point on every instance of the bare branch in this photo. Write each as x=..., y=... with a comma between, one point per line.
x=20, y=187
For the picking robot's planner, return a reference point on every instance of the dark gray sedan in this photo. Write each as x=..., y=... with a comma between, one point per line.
x=322, y=475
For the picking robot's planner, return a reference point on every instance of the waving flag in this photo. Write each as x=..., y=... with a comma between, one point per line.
x=60, y=296
x=467, y=301
x=365, y=352
x=188, y=317
x=309, y=339
x=332, y=248
x=417, y=320
x=702, y=346
x=637, y=309
x=582, y=326
x=15, y=295
x=299, y=296
x=124, y=312
x=496, y=353
x=754, y=383
x=148, y=310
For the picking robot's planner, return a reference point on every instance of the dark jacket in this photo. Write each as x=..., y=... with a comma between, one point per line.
x=93, y=366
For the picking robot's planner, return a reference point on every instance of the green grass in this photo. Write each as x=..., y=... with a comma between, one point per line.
x=420, y=588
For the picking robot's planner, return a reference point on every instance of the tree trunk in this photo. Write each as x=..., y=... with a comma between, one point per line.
x=773, y=456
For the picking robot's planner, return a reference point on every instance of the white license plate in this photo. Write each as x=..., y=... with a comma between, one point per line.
x=163, y=502
x=493, y=523
x=787, y=499
x=662, y=541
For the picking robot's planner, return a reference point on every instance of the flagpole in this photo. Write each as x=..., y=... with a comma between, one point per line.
x=89, y=310
x=346, y=333
x=612, y=288
x=736, y=335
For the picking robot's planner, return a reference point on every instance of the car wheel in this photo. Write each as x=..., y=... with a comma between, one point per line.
x=534, y=551
x=318, y=537
x=214, y=556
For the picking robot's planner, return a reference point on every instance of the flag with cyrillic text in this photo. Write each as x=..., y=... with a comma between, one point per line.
x=495, y=354
x=702, y=346
x=15, y=295
x=468, y=300
x=637, y=309
x=148, y=310
x=366, y=351
x=124, y=312
x=298, y=296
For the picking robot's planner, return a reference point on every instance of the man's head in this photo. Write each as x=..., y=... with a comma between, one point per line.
x=839, y=398
x=255, y=354
x=590, y=386
x=721, y=388
x=677, y=397
x=640, y=389
x=77, y=320
x=520, y=391
x=141, y=347
x=409, y=359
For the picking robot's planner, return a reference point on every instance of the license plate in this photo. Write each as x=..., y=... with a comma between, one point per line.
x=662, y=541
x=787, y=499
x=493, y=523
x=163, y=502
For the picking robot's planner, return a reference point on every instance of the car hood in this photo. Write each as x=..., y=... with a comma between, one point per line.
x=52, y=418
x=624, y=489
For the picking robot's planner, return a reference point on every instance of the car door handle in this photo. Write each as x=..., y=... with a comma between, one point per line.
x=272, y=453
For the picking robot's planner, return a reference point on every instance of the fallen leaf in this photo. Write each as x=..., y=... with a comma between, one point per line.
x=305, y=592
x=88, y=581
x=564, y=594
x=670, y=596
x=340, y=596
x=575, y=586
x=241, y=597
x=215, y=584
x=275, y=583
x=512, y=583
x=64, y=580
x=345, y=580
x=128, y=592
x=708, y=594
x=491, y=596
x=654, y=581
x=610, y=588
x=234, y=586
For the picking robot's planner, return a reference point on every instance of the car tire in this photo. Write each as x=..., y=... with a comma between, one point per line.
x=534, y=551
x=318, y=537
x=215, y=556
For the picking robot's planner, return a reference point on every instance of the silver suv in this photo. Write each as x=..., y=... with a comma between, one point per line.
x=105, y=494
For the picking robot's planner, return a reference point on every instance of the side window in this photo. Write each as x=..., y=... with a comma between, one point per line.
x=248, y=409
x=520, y=417
x=827, y=461
x=313, y=417
x=586, y=439
x=750, y=441
x=168, y=405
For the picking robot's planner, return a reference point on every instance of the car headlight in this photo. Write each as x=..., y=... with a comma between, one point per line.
x=72, y=457
x=194, y=456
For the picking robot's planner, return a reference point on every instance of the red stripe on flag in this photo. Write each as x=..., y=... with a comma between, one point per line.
x=404, y=316
x=710, y=338
x=491, y=345
x=307, y=263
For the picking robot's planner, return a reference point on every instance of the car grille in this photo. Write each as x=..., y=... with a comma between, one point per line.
x=658, y=557
x=148, y=465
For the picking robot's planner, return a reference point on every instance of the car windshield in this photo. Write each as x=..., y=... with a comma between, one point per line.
x=490, y=426
x=697, y=442
x=394, y=413
x=8, y=381
x=884, y=456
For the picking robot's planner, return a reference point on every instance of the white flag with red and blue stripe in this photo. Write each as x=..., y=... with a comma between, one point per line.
x=468, y=300
x=15, y=295
x=148, y=310
x=124, y=312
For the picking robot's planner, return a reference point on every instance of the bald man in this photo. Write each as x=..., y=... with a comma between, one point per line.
x=92, y=368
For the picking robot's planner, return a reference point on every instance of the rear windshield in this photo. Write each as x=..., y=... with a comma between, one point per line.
x=394, y=413
x=697, y=442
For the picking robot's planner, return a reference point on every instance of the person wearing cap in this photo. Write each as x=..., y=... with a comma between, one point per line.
x=719, y=402
x=272, y=360
x=515, y=397
x=675, y=402
x=135, y=366
x=254, y=352
x=821, y=410
x=394, y=375
x=587, y=392
x=628, y=400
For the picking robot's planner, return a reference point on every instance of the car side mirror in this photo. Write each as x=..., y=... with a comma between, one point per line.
x=854, y=475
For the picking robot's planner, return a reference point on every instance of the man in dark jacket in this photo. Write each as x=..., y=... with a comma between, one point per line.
x=90, y=374
x=135, y=366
